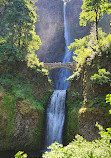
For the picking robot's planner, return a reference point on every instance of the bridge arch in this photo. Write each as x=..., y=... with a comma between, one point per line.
x=51, y=66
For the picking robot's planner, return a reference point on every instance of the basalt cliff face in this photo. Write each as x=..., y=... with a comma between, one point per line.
x=86, y=101
x=22, y=124
x=50, y=27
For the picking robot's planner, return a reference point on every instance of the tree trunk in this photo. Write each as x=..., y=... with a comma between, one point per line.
x=19, y=38
x=97, y=25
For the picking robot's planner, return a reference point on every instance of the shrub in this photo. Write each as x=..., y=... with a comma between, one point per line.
x=102, y=77
x=108, y=100
x=21, y=88
x=21, y=154
x=80, y=148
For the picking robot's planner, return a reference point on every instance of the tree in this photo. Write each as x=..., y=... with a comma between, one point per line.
x=18, y=31
x=2, y=2
x=93, y=10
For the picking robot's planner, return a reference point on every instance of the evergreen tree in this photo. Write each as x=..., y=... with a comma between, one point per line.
x=19, y=40
x=92, y=11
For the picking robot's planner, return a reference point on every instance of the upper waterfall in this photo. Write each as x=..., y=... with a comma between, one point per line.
x=64, y=73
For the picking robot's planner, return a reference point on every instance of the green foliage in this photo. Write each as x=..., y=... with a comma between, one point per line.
x=21, y=154
x=76, y=95
x=21, y=88
x=106, y=44
x=92, y=11
x=9, y=53
x=2, y=2
x=98, y=101
x=81, y=51
x=18, y=40
x=87, y=48
x=8, y=106
x=108, y=100
x=80, y=148
x=102, y=77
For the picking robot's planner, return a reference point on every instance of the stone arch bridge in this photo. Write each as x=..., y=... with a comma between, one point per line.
x=51, y=66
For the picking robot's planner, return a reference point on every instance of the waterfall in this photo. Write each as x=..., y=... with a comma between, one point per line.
x=56, y=108
x=65, y=73
x=55, y=117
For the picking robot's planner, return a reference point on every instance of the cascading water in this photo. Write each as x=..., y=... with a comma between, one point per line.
x=65, y=73
x=56, y=108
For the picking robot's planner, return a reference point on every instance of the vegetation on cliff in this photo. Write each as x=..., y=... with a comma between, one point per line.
x=90, y=84
x=24, y=92
x=92, y=78
x=24, y=87
x=80, y=148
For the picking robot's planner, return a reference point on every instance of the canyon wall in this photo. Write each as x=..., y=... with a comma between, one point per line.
x=50, y=27
x=21, y=123
x=85, y=101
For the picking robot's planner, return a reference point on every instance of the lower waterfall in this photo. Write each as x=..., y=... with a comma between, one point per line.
x=55, y=117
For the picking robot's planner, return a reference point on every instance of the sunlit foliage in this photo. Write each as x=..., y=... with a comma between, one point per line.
x=80, y=148
x=102, y=77
x=92, y=11
x=21, y=154
x=18, y=40
x=88, y=47
x=108, y=100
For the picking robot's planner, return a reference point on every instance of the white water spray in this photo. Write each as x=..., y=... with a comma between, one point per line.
x=56, y=108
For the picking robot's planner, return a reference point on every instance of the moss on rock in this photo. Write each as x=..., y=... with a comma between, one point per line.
x=84, y=112
x=24, y=94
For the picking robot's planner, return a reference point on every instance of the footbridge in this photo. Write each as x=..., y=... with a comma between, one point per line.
x=69, y=65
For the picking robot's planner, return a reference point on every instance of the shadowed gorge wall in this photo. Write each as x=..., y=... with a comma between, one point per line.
x=50, y=28
x=22, y=124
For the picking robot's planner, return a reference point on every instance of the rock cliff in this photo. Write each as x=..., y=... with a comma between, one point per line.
x=22, y=116
x=50, y=27
x=86, y=102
